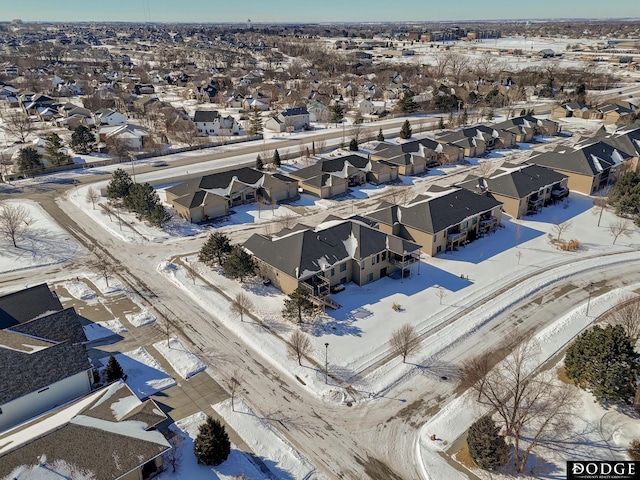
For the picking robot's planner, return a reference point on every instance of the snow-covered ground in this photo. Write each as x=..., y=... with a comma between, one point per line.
x=43, y=243
x=145, y=376
x=140, y=319
x=597, y=432
x=280, y=457
x=185, y=363
x=98, y=330
x=238, y=463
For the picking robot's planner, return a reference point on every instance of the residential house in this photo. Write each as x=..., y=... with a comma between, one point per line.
x=441, y=220
x=213, y=195
x=288, y=120
x=144, y=104
x=209, y=122
x=133, y=136
x=32, y=102
x=471, y=141
x=251, y=103
x=414, y=157
x=318, y=111
x=588, y=169
x=522, y=189
x=525, y=127
x=27, y=304
x=329, y=177
x=335, y=252
x=44, y=364
x=105, y=435
x=617, y=113
x=106, y=116
x=369, y=107
x=574, y=109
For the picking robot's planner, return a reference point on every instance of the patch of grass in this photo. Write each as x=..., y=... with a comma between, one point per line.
x=562, y=376
x=464, y=457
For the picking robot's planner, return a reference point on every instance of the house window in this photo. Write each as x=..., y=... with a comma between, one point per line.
x=475, y=220
x=373, y=260
x=465, y=224
x=343, y=267
x=333, y=272
x=439, y=249
x=384, y=256
x=370, y=278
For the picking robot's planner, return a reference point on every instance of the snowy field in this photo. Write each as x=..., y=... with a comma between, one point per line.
x=43, y=243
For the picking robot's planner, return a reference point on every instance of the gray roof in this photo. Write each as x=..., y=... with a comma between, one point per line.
x=303, y=253
x=291, y=112
x=93, y=442
x=205, y=116
x=589, y=160
x=434, y=214
x=59, y=326
x=24, y=305
x=23, y=373
x=331, y=165
x=517, y=183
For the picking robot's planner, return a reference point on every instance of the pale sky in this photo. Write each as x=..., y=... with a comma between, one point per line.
x=213, y=11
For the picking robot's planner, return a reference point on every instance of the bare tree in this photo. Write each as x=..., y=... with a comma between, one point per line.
x=287, y=221
x=531, y=406
x=620, y=227
x=174, y=455
x=441, y=64
x=474, y=371
x=484, y=65
x=485, y=169
x=14, y=221
x=184, y=131
x=234, y=384
x=103, y=267
x=519, y=254
x=17, y=124
x=92, y=196
x=560, y=228
x=628, y=316
x=441, y=293
x=191, y=274
x=458, y=64
x=405, y=341
x=518, y=234
x=600, y=204
x=299, y=346
x=241, y=304
x=398, y=194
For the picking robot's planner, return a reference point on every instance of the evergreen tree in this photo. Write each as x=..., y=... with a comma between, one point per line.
x=603, y=361
x=353, y=145
x=119, y=185
x=82, y=140
x=53, y=151
x=380, y=136
x=337, y=113
x=255, y=122
x=114, y=370
x=487, y=447
x=212, y=445
x=276, y=159
x=441, y=124
x=405, y=131
x=259, y=163
x=625, y=195
x=239, y=263
x=215, y=249
x=406, y=103
x=490, y=114
x=464, y=118
x=297, y=305
x=30, y=161
x=141, y=200
x=159, y=216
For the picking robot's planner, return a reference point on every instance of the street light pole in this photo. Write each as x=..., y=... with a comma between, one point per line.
x=326, y=363
x=589, y=301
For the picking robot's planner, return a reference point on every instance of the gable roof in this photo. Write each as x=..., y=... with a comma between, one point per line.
x=27, y=304
x=588, y=160
x=59, y=326
x=301, y=254
x=342, y=166
x=434, y=214
x=204, y=116
x=516, y=181
x=75, y=438
x=292, y=112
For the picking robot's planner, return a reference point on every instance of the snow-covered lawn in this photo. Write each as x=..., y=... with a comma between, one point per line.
x=144, y=317
x=98, y=330
x=185, y=363
x=279, y=456
x=597, y=433
x=79, y=289
x=238, y=463
x=145, y=376
x=43, y=242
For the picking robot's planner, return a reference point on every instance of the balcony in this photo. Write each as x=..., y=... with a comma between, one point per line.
x=535, y=203
x=487, y=224
x=559, y=193
x=402, y=262
x=319, y=291
x=456, y=237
